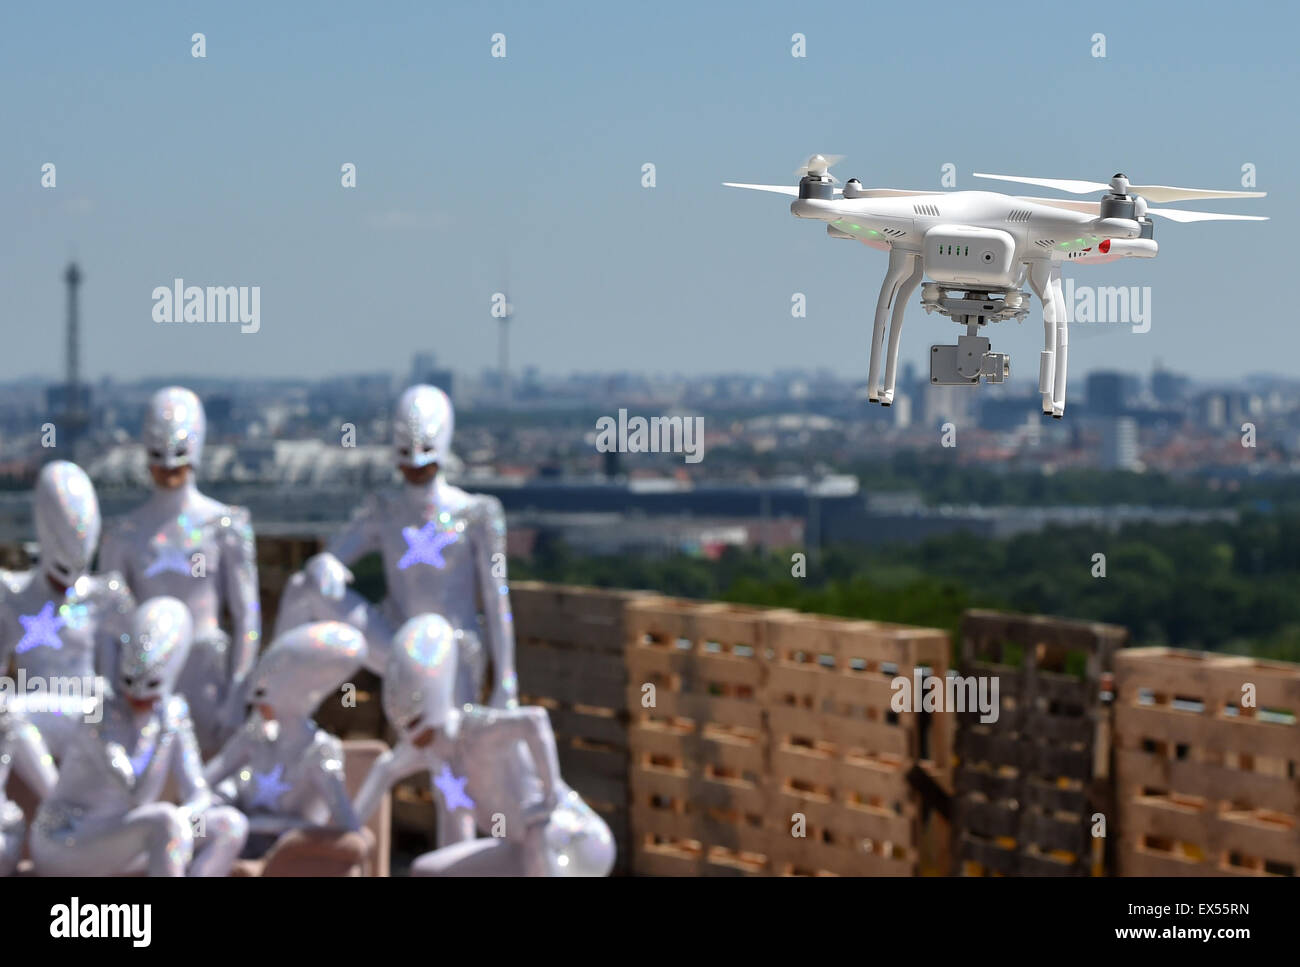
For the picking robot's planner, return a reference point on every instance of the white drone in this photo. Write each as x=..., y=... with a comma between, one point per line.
x=979, y=247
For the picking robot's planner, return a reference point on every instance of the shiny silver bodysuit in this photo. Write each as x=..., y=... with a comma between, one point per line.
x=16, y=736
x=498, y=773
x=280, y=769
x=283, y=776
x=494, y=771
x=62, y=640
x=186, y=545
x=443, y=549
x=105, y=816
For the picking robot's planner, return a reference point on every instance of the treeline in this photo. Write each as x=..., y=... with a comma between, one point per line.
x=1214, y=586
x=939, y=479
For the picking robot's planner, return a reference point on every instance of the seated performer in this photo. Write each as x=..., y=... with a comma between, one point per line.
x=287, y=772
x=60, y=624
x=104, y=816
x=188, y=546
x=443, y=551
x=494, y=769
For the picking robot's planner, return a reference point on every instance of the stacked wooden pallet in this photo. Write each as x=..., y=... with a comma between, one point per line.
x=841, y=801
x=1208, y=763
x=1032, y=783
x=763, y=741
x=697, y=738
x=569, y=656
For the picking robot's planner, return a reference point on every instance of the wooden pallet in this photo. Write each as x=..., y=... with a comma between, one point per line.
x=1207, y=787
x=569, y=645
x=772, y=747
x=365, y=720
x=415, y=817
x=1028, y=785
x=699, y=753
x=839, y=754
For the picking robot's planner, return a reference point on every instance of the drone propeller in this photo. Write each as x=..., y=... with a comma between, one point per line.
x=1173, y=214
x=819, y=164
x=1157, y=193
x=790, y=190
x=1178, y=215
x=793, y=192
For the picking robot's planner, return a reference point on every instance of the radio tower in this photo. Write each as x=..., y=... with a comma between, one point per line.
x=74, y=416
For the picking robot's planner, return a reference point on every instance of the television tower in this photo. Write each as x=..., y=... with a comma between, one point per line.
x=503, y=335
x=503, y=350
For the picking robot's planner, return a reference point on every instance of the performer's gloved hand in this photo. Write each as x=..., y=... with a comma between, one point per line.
x=538, y=813
x=328, y=575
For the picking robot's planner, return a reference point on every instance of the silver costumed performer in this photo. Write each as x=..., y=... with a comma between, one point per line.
x=284, y=771
x=186, y=545
x=492, y=769
x=443, y=551
x=60, y=624
x=104, y=816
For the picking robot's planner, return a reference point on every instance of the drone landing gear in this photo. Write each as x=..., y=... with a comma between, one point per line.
x=1045, y=280
x=966, y=363
x=901, y=279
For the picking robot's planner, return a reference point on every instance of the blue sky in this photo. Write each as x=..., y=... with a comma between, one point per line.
x=226, y=171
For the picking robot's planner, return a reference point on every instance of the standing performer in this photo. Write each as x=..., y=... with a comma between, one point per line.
x=444, y=551
x=189, y=546
x=105, y=815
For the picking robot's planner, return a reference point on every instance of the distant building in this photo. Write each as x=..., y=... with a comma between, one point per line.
x=1119, y=444
x=1108, y=393
x=948, y=404
x=1169, y=387
x=425, y=369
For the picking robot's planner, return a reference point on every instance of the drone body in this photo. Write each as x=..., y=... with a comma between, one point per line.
x=978, y=248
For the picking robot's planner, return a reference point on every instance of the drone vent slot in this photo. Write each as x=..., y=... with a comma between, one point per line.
x=1019, y=215
x=1045, y=242
x=932, y=210
x=892, y=232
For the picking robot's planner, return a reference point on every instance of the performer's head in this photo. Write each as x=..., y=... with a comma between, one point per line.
x=423, y=421
x=302, y=667
x=174, y=428
x=154, y=651
x=67, y=521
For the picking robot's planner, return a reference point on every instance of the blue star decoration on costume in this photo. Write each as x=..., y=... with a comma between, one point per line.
x=269, y=787
x=140, y=761
x=169, y=559
x=452, y=788
x=424, y=545
x=40, y=629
